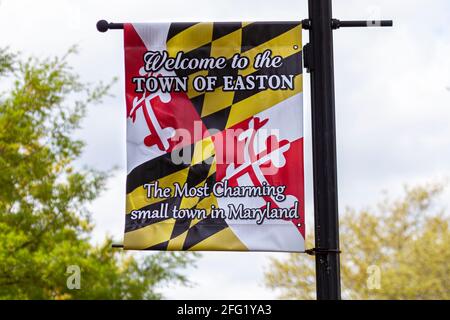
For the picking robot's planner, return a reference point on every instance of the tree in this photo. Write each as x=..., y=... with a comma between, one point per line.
x=399, y=251
x=44, y=223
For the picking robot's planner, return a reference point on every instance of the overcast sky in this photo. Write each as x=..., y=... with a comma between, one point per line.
x=392, y=102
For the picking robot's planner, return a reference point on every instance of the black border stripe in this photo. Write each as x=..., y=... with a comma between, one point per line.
x=202, y=52
x=292, y=65
x=160, y=246
x=217, y=120
x=155, y=169
x=198, y=172
x=182, y=225
x=203, y=230
x=221, y=29
x=131, y=225
x=258, y=33
x=178, y=27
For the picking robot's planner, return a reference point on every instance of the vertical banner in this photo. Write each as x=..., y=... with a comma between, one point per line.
x=214, y=136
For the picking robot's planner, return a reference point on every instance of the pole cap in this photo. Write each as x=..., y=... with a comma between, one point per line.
x=102, y=25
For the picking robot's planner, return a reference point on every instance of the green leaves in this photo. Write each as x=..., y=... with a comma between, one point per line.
x=406, y=240
x=44, y=221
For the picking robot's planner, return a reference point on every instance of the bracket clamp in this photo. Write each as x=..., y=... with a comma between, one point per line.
x=318, y=251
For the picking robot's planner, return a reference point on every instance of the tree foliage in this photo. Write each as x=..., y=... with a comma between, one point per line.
x=44, y=224
x=404, y=244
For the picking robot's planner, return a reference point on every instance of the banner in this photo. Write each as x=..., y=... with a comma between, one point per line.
x=214, y=136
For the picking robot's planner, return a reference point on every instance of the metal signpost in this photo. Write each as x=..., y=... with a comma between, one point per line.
x=319, y=62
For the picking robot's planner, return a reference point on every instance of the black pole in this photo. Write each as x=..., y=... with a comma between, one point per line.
x=324, y=151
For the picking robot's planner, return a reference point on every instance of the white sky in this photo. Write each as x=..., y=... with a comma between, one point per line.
x=392, y=102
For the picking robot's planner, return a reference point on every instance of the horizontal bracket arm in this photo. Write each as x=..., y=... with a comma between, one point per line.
x=103, y=25
x=336, y=24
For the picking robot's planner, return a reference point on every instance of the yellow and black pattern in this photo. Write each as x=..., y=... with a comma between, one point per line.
x=175, y=234
x=218, y=110
x=222, y=109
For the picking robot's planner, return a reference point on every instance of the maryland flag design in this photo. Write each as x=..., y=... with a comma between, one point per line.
x=214, y=136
